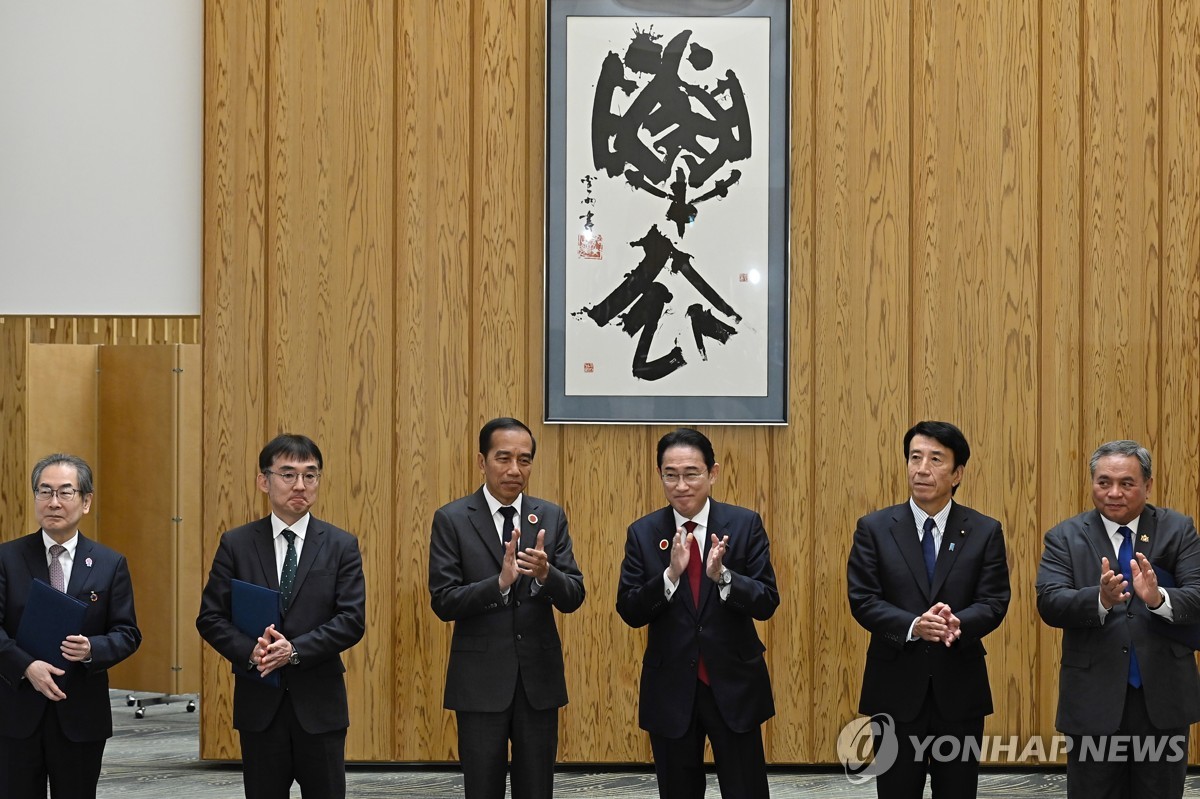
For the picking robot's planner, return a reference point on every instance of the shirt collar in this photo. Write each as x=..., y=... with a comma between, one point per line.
x=701, y=518
x=494, y=505
x=70, y=545
x=300, y=528
x=1111, y=527
x=940, y=518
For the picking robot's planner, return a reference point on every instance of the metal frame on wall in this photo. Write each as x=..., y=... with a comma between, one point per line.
x=667, y=211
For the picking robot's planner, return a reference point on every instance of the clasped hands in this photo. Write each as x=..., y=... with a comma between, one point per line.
x=271, y=652
x=75, y=648
x=681, y=556
x=528, y=562
x=938, y=624
x=1114, y=587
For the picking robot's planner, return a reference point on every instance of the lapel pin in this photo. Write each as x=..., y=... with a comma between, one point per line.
x=87, y=562
x=94, y=597
x=951, y=546
x=1145, y=539
x=532, y=518
x=663, y=545
x=962, y=532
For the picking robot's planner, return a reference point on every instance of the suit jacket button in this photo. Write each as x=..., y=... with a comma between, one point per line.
x=700, y=629
x=519, y=605
x=518, y=636
x=1129, y=615
x=1124, y=650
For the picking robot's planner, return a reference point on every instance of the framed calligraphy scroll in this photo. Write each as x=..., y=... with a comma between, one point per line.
x=667, y=211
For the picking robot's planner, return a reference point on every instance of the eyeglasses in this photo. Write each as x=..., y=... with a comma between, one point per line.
x=691, y=478
x=289, y=478
x=66, y=493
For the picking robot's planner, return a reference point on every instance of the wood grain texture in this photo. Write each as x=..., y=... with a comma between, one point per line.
x=15, y=490
x=235, y=324
x=994, y=220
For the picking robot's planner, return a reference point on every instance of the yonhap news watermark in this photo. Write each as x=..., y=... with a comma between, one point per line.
x=862, y=759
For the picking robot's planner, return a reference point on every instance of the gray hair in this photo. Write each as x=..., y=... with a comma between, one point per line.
x=82, y=470
x=1125, y=448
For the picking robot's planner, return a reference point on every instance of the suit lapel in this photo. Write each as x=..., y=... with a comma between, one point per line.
x=81, y=569
x=314, y=540
x=953, y=539
x=485, y=526
x=264, y=545
x=718, y=526
x=904, y=532
x=35, y=557
x=1097, y=537
x=1147, y=534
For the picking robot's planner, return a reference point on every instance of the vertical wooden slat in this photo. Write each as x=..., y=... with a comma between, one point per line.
x=234, y=306
x=15, y=463
x=861, y=336
x=435, y=430
x=1060, y=452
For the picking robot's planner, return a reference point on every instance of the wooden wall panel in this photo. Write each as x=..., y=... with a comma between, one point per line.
x=329, y=307
x=434, y=438
x=235, y=325
x=15, y=464
x=974, y=239
x=994, y=212
x=861, y=320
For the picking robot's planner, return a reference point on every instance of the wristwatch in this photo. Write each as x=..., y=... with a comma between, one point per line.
x=295, y=658
x=726, y=578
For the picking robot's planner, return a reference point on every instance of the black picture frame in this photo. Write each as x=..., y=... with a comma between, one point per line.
x=667, y=133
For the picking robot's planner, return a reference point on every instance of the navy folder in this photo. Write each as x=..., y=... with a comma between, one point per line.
x=1186, y=634
x=255, y=608
x=49, y=617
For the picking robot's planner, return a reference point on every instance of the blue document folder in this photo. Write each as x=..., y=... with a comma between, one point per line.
x=1186, y=634
x=49, y=617
x=255, y=608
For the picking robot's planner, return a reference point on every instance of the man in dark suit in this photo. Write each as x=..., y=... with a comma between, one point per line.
x=295, y=731
x=500, y=562
x=929, y=579
x=1124, y=687
x=698, y=572
x=53, y=721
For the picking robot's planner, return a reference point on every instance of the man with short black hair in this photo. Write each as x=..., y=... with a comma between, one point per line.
x=698, y=574
x=1126, y=686
x=54, y=721
x=928, y=578
x=500, y=563
x=296, y=730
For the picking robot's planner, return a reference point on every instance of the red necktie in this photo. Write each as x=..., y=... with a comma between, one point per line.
x=694, y=570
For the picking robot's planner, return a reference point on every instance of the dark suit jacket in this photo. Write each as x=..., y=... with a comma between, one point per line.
x=326, y=617
x=1095, y=656
x=680, y=632
x=494, y=641
x=888, y=587
x=99, y=577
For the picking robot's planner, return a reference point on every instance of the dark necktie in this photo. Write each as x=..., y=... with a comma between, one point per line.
x=928, y=549
x=695, y=567
x=507, y=524
x=1124, y=555
x=287, y=578
x=57, y=582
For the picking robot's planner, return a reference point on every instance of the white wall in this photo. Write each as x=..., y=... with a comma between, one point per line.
x=101, y=156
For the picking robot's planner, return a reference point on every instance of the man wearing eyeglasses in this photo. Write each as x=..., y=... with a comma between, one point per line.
x=54, y=720
x=698, y=574
x=295, y=730
x=500, y=563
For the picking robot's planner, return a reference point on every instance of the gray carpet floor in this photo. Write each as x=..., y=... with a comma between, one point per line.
x=156, y=756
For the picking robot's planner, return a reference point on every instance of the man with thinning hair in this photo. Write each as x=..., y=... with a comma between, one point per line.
x=1119, y=580
x=54, y=720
